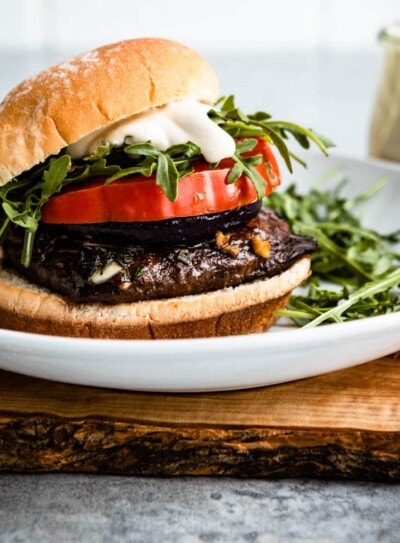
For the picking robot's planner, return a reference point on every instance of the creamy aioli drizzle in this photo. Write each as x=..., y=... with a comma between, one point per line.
x=174, y=124
x=105, y=274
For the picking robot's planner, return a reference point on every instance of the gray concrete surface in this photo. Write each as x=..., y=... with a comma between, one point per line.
x=90, y=508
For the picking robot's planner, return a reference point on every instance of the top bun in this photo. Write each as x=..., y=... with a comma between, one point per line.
x=66, y=102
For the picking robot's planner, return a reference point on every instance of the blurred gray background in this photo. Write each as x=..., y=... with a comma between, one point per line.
x=316, y=62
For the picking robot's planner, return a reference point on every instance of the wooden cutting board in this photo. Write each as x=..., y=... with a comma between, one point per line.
x=345, y=424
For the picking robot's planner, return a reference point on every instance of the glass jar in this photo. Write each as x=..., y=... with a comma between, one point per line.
x=384, y=135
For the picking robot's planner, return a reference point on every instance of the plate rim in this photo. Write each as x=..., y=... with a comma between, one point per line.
x=249, y=341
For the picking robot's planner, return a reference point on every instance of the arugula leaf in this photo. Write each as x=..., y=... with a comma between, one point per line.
x=54, y=176
x=21, y=218
x=103, y=150
x=235, y=173
x=147, y=168
x=258, y=181
x=245, y=166
x=142, y=149
x=188, y=150
x=4, y=228
x=167, y=176
x=245, y=146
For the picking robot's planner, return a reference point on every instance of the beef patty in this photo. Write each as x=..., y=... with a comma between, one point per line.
x=89, y=271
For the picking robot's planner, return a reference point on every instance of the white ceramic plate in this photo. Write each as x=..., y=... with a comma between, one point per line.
x=284, y=354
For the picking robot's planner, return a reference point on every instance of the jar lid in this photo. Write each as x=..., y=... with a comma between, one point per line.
x=390, y=34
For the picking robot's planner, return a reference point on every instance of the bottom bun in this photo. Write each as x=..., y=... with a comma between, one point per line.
x=247, y=308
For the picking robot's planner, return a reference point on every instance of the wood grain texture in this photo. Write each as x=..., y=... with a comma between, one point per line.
x=344, y=425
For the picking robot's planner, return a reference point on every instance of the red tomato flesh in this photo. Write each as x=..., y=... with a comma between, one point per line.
x=138, y=198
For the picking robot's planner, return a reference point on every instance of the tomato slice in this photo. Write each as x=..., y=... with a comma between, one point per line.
x=137, y=198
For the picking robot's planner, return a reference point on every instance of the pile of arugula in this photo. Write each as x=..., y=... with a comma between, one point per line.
x=363, y=264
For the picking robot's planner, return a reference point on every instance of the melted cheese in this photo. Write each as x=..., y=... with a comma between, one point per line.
x=174, y=124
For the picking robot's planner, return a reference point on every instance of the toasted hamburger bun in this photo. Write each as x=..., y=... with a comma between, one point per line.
x=248, y=308
x=66, y=102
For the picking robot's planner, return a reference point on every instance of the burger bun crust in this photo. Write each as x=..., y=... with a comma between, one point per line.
x=247, y=308
x=66, y=102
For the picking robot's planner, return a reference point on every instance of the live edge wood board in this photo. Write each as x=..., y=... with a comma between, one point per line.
x=343, y=425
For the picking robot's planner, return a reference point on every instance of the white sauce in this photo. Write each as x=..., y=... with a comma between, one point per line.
x=106, y=273
x=174, y=124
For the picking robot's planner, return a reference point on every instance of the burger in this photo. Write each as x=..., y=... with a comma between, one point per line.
x=132, y=201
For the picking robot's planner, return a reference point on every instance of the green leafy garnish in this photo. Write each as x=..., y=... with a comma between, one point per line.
x=260, y=124
x=22, y=199
x=363, y=264
x=27, y=213
x=244, y=166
